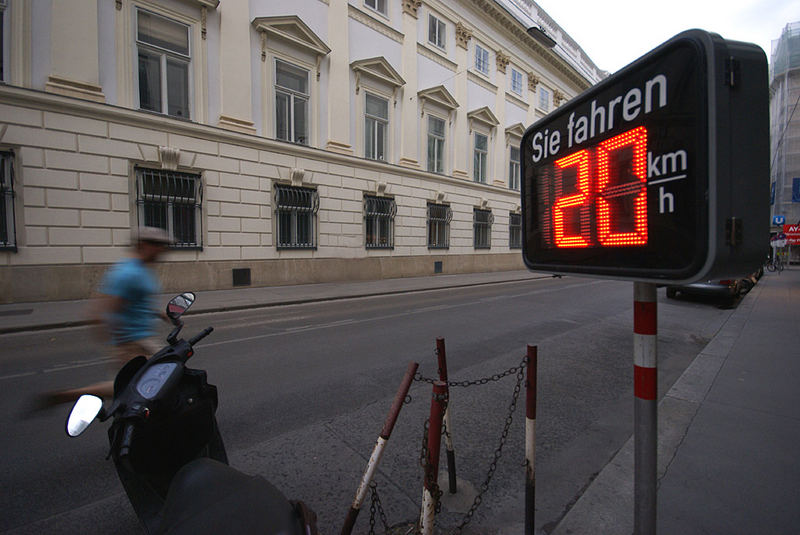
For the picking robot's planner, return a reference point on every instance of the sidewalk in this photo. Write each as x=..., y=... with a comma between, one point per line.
x=729, y=432
x=20, y=317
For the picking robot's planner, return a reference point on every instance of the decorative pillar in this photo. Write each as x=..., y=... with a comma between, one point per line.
x=75, y=63
x=461, y=130
x=339, y=78
x=410, y=133
x=236, y=102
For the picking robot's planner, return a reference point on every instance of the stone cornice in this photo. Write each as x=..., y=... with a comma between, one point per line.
x=516, y=31
x=41, y=100
x=433, y=55
x=373, y=23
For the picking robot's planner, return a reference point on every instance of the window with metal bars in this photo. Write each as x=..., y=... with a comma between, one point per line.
x=7, y=229
x=515, y=231
x=379, y=215
x=296, y=211
x=482, y=224
x=439, y=217
x=173, y=201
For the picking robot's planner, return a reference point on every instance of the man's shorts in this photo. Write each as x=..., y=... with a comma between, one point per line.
x=125, y=351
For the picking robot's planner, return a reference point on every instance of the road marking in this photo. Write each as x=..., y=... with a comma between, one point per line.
x=307, y=328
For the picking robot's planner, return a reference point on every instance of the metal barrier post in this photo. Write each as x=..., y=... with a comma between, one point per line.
x=377, y=451
x=530, y=442
x=448, y=428
x=429, y=498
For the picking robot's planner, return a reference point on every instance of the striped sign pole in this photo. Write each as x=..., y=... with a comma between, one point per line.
x=645, y=387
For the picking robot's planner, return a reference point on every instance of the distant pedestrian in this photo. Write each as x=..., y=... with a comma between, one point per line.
x=126, y=311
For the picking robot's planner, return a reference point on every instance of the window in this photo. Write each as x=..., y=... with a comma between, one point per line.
x=377, y=5
x=515, y=231
x=171, y=200
x=376, y=119
x=291, y=103
x=482, y=225
x=439, y=217
x=544, y=99
x=164, y=58
x=481, y=156
x=481, y=59
x=514, y=168
x=516, y=81
x=435, y=144
x=436, y=32
x=296, y=217
x=379, y=215
x=7, y=229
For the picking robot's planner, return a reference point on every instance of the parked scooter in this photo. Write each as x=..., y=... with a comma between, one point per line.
x=169, y=454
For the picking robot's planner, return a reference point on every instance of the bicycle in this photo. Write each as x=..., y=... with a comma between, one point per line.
x=776, y=264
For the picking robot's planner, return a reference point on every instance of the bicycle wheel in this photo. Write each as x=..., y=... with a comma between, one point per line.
x=771, y=267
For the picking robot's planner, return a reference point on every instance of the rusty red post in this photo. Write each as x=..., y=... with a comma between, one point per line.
x=377, y=451
x=530, y=442
x=438, y=403
x=448, y=433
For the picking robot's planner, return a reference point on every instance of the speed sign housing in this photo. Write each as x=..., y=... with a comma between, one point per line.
x=658, y=173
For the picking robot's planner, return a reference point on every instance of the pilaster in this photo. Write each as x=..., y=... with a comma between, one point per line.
x=461, y=128
x=236, y=103
x=75, y=63
x=410, y=124
x=339, y=78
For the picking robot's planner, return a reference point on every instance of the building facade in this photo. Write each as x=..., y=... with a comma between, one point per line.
x=279, y=142
x=785, y=131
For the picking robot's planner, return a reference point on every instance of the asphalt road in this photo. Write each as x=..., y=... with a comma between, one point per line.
x=304, y=390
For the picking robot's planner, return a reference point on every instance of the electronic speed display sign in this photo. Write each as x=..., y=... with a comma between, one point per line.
x=658, y=173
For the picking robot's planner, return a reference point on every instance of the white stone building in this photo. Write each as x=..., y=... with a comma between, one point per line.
x=278, y=141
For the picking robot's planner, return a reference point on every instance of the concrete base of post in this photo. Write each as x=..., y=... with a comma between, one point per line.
x=461, y=501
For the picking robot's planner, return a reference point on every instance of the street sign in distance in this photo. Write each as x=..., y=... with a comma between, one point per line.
x=658, y=173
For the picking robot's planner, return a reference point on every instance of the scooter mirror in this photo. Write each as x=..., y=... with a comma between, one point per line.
x=83, y=413
x=179, y=304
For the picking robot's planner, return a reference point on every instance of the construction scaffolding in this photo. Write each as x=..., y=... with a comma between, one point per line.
x=785, y=131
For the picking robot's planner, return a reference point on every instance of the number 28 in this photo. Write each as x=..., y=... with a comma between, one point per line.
x=605, y=216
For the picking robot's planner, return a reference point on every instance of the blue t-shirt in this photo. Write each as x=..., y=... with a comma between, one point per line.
x=138, y=285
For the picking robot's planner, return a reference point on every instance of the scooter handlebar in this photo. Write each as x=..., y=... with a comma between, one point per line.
x=200, y=336
x=125, y=442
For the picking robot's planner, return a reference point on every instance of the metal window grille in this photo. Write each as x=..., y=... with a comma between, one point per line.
x=296, y=210
x=173, y=201
x=439, y=217
x=163, y=49
x=481, y=59
x=515, y=231
x=514, y=168
x=379, y=215
x=7, y=230
x=482, y=224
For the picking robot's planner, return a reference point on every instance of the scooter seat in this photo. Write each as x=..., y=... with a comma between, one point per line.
x=209, y=497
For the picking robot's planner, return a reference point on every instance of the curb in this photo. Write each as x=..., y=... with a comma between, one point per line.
x=607, y=504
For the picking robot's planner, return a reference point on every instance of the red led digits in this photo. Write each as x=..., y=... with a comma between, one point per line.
x=605, y=219
x=581, y=201
x=619, y=221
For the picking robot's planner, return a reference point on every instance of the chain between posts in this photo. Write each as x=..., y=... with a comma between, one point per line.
x=376, y=506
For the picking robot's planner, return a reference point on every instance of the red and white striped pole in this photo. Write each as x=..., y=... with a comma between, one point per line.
x=377, y=451
x=530, y=442
x=645, y=388
x=448, y=426
x=428, y=513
